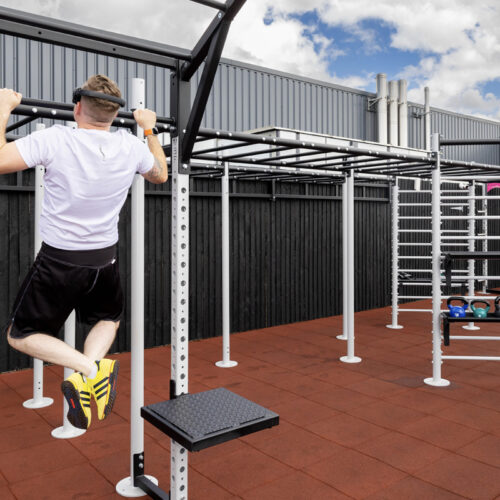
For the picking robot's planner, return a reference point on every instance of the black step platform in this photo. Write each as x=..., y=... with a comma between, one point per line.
x=198, y=421
x=469, y=318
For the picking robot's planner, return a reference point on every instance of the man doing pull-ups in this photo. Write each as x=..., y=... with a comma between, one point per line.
x=88, y=172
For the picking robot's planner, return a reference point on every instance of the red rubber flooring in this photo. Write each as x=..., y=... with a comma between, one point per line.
x=367, y=431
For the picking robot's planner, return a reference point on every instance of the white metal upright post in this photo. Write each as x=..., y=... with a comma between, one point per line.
x=436, y=379
x=382, y=108
x=471, y=264
x=66, y=430
x=126, y=486
x=395, y=256
x=38, y=400
x=345, y=278
x=393, y=112
x=180, y=313
x=427, y=119
x=350, y=358
x=226, y=314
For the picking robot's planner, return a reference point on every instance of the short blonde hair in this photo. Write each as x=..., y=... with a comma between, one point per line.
x=101, y=110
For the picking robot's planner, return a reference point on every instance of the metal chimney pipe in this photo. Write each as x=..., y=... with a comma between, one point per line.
x=427, y=119
x=403, y=113
x=393, y=113
x=382, y=108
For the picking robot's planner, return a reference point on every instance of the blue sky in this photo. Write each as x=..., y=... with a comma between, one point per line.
x=451, y=46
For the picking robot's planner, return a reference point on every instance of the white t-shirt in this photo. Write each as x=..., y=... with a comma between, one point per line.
x=87, y=177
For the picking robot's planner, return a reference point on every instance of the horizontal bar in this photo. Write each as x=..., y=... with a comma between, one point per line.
x=212, y=3
x=446, y=297
x=64, y=115
x=473, y=198
x=482, y=238
x=467, y=142
x=479, y=358
x=413, y=257
x=40, y=103
x=20, y=123
x=469, y=217
x=75, y=36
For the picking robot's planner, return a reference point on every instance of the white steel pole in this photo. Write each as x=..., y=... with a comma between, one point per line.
x=126, y=487
x=345, y=278
x=436, y=379
x=403, y=113
x=68, y=431
x=485, y=233
x=226, y=350
x=395, y=256
x=471, y=264
x=38, y=400
x=427, y=119
x=180, y=313
x=350, y=358
x=382, y=107
x=393, y=113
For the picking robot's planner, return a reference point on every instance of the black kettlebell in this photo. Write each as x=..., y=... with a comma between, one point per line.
x=497, y=307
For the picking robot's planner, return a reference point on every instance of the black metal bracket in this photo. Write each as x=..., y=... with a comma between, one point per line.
x=145, y=484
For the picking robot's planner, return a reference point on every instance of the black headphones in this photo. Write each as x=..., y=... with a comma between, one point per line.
x=79, y=92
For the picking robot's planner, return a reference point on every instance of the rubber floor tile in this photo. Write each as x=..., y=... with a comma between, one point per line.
x=341, y=376
x=387, y=414
x=297, y=486
x=412, y=488
x=441, y=432
x=301, y=411
x=477, y=379
x=260, y=393
x=463, y=476
x=201, y=488
x=340, y=399
x=81, y=481
x=376, y=388
x=41, y=459
x=24, y=436
x=299, y=448
x=17, y=414
x=8, y=396
x=219, y=451
x=355, y=474
x=98, y=442
x=243, y=470
x=485, y=449
x=402, y=452
x=473, y=416
x=346, y=430
x=257, y=438
x=299, y=384
x=6, y=494
x=421, y=400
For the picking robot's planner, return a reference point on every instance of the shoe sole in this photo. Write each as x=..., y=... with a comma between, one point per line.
x=113, y=376
x=76, y=414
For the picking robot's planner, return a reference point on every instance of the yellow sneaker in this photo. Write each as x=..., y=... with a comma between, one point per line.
x=103, y=386
x=77, y=394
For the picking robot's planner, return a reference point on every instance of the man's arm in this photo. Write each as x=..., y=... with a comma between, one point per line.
x=146, y=119
x=10, y=158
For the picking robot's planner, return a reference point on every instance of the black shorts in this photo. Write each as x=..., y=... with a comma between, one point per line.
x=62, y=280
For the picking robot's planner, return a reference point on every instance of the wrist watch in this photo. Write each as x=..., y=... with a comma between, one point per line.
x=151, y=131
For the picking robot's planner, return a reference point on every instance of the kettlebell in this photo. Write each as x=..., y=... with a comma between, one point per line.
x=497, y=307
x=457, y=311
x=480, y=312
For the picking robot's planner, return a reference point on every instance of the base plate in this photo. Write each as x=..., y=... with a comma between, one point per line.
x=226, y=364
x=350, y=359
x=471, y=327
x=394, y=327
x=38, y=403
x=126, y=487
x=67, y=431
x=342, y=337
x=437, y=383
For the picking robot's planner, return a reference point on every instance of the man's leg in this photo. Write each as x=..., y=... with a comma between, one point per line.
x=52, y=350
x=99, y=339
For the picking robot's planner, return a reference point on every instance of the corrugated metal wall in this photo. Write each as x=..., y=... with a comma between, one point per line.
x=286, y=254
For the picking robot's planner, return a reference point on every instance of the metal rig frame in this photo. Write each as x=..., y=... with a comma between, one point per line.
x=206, y=152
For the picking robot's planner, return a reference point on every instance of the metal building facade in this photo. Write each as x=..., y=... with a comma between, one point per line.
x=285, y=239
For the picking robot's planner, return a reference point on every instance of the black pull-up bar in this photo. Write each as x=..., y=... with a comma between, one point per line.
x=212, y=3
